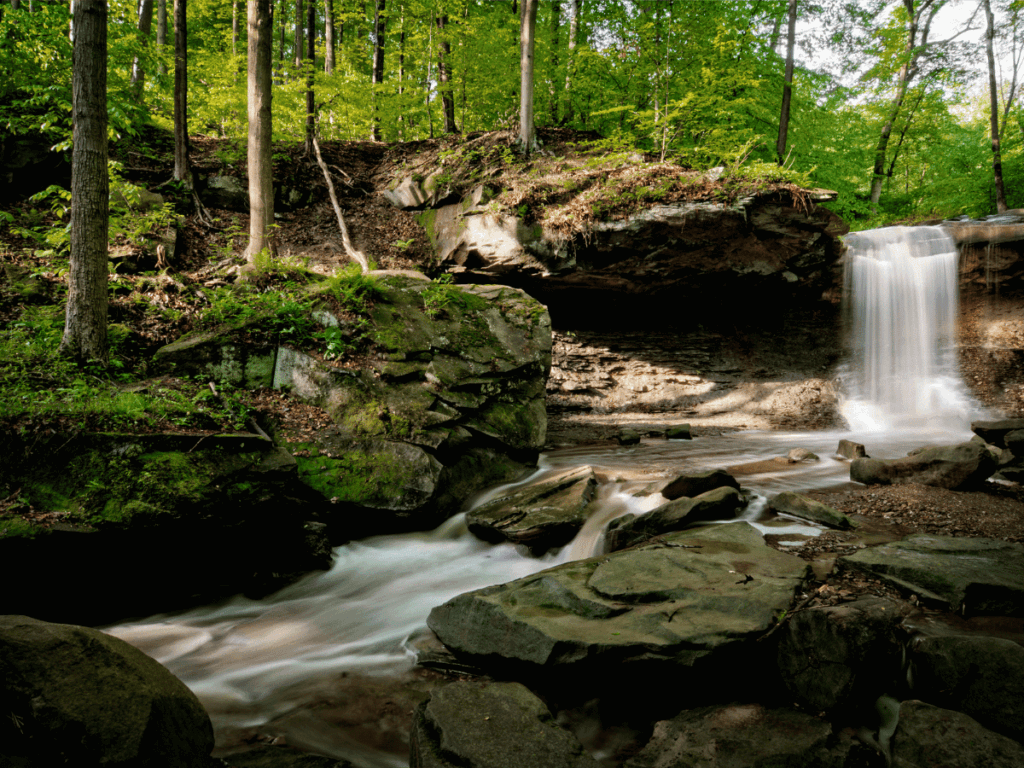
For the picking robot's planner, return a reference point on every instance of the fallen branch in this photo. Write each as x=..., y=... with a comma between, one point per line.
x=353, y=254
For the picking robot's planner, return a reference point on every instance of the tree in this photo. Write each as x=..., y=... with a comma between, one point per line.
x=787, y=89
x=528, y=28
x=182, y=171
x=161, y=31
x=145, y=27
x=377, y=77
x=85, y=327
x=311, y=65
x=261, y=170
x=993, y=90
x=444, y=52
x=570, y=64
x=329, y=37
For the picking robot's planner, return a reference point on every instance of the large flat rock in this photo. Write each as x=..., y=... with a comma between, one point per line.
x=675, y=603
x=973, y=576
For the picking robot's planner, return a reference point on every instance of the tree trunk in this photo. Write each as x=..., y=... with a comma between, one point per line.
x=234, y=28
x=787, y=89
x=997, y=160
x=377, y=76
x=329, y=37
x=281, y=36
x=161, y=31
x=444, y=51
x=528, y=28
x=261, y=173
x=300, y=21
x=556, y=29
x=311, y=57
x=913, y=51
x=145, y=27
x=401, y=76
x=570, y=64
x=181, y=168
x=85, y=328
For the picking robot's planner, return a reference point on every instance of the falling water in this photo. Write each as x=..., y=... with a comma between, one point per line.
x=901, y=290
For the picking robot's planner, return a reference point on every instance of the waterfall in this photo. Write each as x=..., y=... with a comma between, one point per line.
x=901, y=294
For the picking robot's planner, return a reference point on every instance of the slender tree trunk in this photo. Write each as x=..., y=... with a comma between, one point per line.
x=556, y=34
x=311, y=65
x=300, y=21
x=181, y=167
x=15, y=5
x=997, y=160
x=528, y=29
x=329, y=37
x=85, y=328
x=787, y=89
x=145, y=27
x=401, y=76
x=570, y=64
x=444, y=51
x=281, y=36
x=161, y=32
x=234, y=29
x=377, y=75
x=259, y=92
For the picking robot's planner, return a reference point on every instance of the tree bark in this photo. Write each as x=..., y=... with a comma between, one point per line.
x=329, y=37
x=181, y=167
x=145, y=27
x=993, y=91
x=377, y=76
x=259, y=92
x=300, y=21
x=570, y=63
x=556, y=29
x=161, y=31
x=444, y=76
x=401, y=76
x=85, y=328
x=787, y=88
x=528, y=28
x=234, y=28
x=311, y=57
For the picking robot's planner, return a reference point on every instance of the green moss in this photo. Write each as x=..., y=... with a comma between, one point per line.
x=367, y=479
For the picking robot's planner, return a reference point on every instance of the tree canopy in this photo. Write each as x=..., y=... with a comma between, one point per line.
x=889, y=97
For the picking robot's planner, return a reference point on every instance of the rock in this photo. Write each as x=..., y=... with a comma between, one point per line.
x=699, y=482
x=978, y=675
x=629, y=530
x=73, y=695
x=995, y=432
x=1014, y=441
x=458, y=404
x=541, y=516
x=416, y=192
x=741, y=735
x=851, y=450
x=226, y=192
x=841, y=656
x=678, y=432
x=628, y=437
x=930, y=737
x=970, y=576
x=138, y=199
x=20, y=280
x=789, y=503
x=685, y=604
x=798, y=455
x=954, y=467
x=280, y=756
x=491, y=725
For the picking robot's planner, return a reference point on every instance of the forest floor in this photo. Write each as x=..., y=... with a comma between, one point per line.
x=157, y=308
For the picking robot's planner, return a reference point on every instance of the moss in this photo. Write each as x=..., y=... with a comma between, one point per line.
x=367, y=479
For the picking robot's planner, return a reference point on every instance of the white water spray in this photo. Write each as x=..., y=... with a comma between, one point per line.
x=901, y=288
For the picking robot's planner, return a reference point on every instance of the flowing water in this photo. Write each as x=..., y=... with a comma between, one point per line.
x=253, y=661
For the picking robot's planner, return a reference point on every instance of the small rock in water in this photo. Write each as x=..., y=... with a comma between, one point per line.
x=851, y=450
x=628, y=437
x=801, y=454
x=679, y=432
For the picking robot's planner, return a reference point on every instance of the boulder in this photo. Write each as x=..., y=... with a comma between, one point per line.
x=280, y=756
x=798, y=455
x=954, y=467
x=965, y=575
x=789, y=503
x=1014, y=441
x=929, y=737
x=678, y=432
x=627, y=437
x=491, y=725
x=720, y=504
x=978, y=675
x=690, y=601
x=741, y=735
x=995, y=432
x=541, y=515
x=75, y=696
x=228, y=192
x=842, y=656
x=696, y=483
x=415, y=192
x=456, y=405
x=851, y=450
